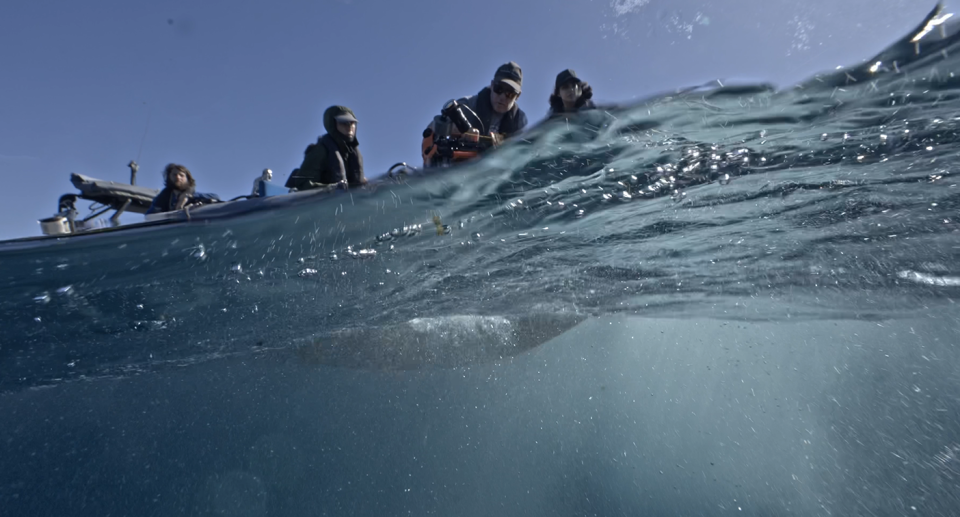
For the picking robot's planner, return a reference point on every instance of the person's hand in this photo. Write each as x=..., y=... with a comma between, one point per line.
x=496, y=138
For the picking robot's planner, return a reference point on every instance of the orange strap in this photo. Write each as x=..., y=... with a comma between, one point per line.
x=464, y=155
x=428, y=150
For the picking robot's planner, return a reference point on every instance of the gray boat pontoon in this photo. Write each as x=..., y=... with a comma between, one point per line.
x=121, y=198
x=105, y=195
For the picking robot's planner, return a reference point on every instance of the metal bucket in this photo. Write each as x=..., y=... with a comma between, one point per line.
x=56, y=225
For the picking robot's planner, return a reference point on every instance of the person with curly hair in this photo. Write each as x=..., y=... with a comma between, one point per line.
x=179, y=191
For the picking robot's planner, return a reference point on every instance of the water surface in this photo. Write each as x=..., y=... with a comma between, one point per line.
x=729, y=299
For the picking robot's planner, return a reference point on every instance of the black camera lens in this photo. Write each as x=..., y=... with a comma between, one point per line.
x=454, y=113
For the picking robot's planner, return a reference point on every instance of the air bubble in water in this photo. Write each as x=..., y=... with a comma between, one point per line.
x=236, y=268
x=43, y=298
x=200, y=253
x=307, y=272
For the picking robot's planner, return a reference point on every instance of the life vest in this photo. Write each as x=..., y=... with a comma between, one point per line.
x=338, y=165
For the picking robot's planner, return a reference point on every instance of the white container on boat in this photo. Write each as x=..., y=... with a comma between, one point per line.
x=56, y=225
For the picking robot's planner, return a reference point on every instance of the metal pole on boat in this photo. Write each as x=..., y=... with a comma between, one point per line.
x=133, y=171
x=115, y=218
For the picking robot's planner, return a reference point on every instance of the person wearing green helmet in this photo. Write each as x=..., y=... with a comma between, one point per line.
x=335, y=159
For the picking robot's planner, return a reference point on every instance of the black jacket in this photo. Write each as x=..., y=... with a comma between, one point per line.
x=330, y=160
x=583, y=103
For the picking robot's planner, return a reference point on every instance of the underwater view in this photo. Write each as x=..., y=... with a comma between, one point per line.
x=728, y=299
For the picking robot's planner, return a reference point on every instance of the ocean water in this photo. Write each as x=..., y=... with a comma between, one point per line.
x=733, y=299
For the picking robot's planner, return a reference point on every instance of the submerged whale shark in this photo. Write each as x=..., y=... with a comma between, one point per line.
x=440, y=341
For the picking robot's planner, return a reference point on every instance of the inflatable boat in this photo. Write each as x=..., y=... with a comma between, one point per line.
x=120, y=198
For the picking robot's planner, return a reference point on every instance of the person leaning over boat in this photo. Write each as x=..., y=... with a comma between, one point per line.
x=335, y=159
x=570, y=95
x=493, y=113
x=179, y=191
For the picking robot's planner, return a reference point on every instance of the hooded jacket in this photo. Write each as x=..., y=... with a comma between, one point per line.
x=584, y=102
x=331, y=159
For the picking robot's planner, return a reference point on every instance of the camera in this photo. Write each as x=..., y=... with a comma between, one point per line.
x=454, y=113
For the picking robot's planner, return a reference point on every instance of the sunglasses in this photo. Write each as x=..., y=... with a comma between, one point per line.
x=510, y=93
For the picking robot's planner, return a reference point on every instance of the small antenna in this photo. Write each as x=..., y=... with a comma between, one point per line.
x=133, y=171
x=134, y=167
x=145, y=129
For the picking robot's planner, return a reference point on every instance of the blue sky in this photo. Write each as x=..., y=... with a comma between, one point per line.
x=228, y=88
